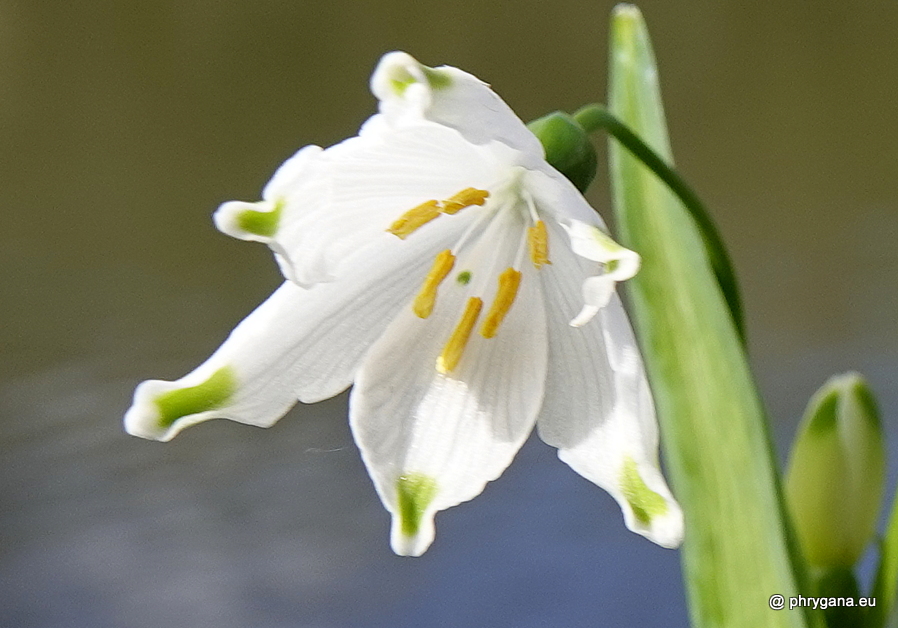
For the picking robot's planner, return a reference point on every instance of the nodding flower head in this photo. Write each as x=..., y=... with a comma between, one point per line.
x=466, y=288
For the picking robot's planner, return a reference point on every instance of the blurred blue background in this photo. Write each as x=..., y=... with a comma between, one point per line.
x=122, y=127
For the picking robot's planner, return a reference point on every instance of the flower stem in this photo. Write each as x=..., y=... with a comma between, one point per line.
x=595, y=117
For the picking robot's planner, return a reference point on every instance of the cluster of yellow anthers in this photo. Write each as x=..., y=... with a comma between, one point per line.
x=509, y=279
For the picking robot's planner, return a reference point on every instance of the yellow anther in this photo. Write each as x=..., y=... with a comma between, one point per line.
x=425, y=300
x=509, y=282
x=465, y=198
x=457, y=342
x=538, y=243
x=417, y=217
x=414, y=219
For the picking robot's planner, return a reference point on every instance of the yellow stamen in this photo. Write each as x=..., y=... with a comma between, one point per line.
x=425, y=300
x=414, y=219
x=465, y=198
x=538, y=242
x=457, y=342
x=509, y=282
x=417, y=217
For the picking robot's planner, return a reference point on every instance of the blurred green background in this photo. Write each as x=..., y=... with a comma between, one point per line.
x=122, y=127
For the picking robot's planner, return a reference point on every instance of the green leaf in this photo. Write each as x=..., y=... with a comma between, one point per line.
x=737, y=552
x=886, y=586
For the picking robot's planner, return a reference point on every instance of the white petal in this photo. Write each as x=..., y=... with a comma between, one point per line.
x=594, y=244
x=300, y=177
x=293, y=172
x=408, y=90
x=597, y=292
x=598, y=408
x=361, y=186
x=231, y=218
x=556, y=196
x=240, y=381
x=300, y=343
x=432, y=441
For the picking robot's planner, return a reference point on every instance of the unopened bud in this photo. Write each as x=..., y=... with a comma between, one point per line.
x=836, y=472
x=567, y=147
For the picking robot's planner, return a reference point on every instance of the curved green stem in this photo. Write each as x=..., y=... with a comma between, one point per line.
x=595, y=117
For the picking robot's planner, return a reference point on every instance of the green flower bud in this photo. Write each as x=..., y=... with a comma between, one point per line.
x=567, y=147
x=836, y=473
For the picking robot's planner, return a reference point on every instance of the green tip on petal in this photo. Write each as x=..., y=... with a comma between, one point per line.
x=646, y=503
x=260, y=223
x=567, y=147
x=415, y=491
x=399, y=85
x=211, y=394
x=464, y=277
x=437, y=79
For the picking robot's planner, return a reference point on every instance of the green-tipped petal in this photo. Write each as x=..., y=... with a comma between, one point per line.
x=409, y=91
x=458, y=428
x=295, y=188
x=162, y=409
x=619, y=264
x=645, y=503
x=211, y=394
x=598, y=408
x=249, y=221
x=352, y=192
x=414, y=494
x=260, y=221
x=300, y=343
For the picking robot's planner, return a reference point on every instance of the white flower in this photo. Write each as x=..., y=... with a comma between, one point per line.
x=465, y=287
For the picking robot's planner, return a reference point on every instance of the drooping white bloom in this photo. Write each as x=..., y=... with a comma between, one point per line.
x=466, y=288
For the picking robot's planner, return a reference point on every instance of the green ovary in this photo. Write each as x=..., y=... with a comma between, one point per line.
x=415, y=492
x=212, y=393
x=263, y=224
x=646, y=503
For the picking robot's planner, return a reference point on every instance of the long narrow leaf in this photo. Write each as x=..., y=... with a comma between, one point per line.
x=737, y=552
x=885, y=588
